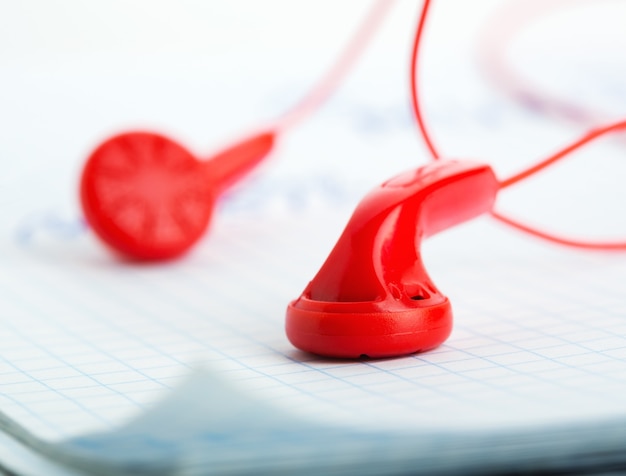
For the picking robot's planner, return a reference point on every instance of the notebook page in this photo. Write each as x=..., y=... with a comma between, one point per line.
x=88, y=342
x=506, y=370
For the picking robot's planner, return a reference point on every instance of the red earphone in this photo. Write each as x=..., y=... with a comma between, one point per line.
x=372, y=297
x=149, y=198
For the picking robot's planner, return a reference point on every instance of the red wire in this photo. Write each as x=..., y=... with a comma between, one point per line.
x=328, y=83
x=589, y=245
x=497, y=36
x=592, y=135
x=417, y=111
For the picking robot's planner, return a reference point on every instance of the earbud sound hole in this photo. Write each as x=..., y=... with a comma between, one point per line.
x=416, y=291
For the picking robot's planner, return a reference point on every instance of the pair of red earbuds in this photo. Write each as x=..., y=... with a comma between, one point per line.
x=149, y=198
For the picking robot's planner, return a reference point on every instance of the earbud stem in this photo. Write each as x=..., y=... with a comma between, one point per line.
x=228, y=166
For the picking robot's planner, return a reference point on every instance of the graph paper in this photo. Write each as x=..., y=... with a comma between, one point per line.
x=90, y=343
x=97, y=355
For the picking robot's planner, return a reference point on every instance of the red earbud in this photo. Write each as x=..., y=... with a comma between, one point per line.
x=149, y=198
x=373, y=296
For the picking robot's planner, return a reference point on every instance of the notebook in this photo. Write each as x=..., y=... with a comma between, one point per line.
x=534, y=369
x=184, y=367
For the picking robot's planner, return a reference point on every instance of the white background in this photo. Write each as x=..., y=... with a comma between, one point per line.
x=73, y=72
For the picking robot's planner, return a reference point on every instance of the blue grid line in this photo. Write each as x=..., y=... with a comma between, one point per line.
x=40, y=312
x=92, y=311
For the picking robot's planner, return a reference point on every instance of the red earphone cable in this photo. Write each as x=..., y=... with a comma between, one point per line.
x=511, y=19
x=588, y=245
x=435, y=155
x=590, y=136
x=328, y=83
x=417, y=110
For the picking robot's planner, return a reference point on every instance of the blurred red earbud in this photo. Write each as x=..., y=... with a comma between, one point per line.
x=149, y=198
x=373, y=296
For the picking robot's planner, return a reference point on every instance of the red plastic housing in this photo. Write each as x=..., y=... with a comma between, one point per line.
x=149, y=198
x=372, y=297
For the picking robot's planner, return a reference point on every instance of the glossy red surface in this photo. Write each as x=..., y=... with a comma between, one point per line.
x=373, y=296
x=149, y=198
